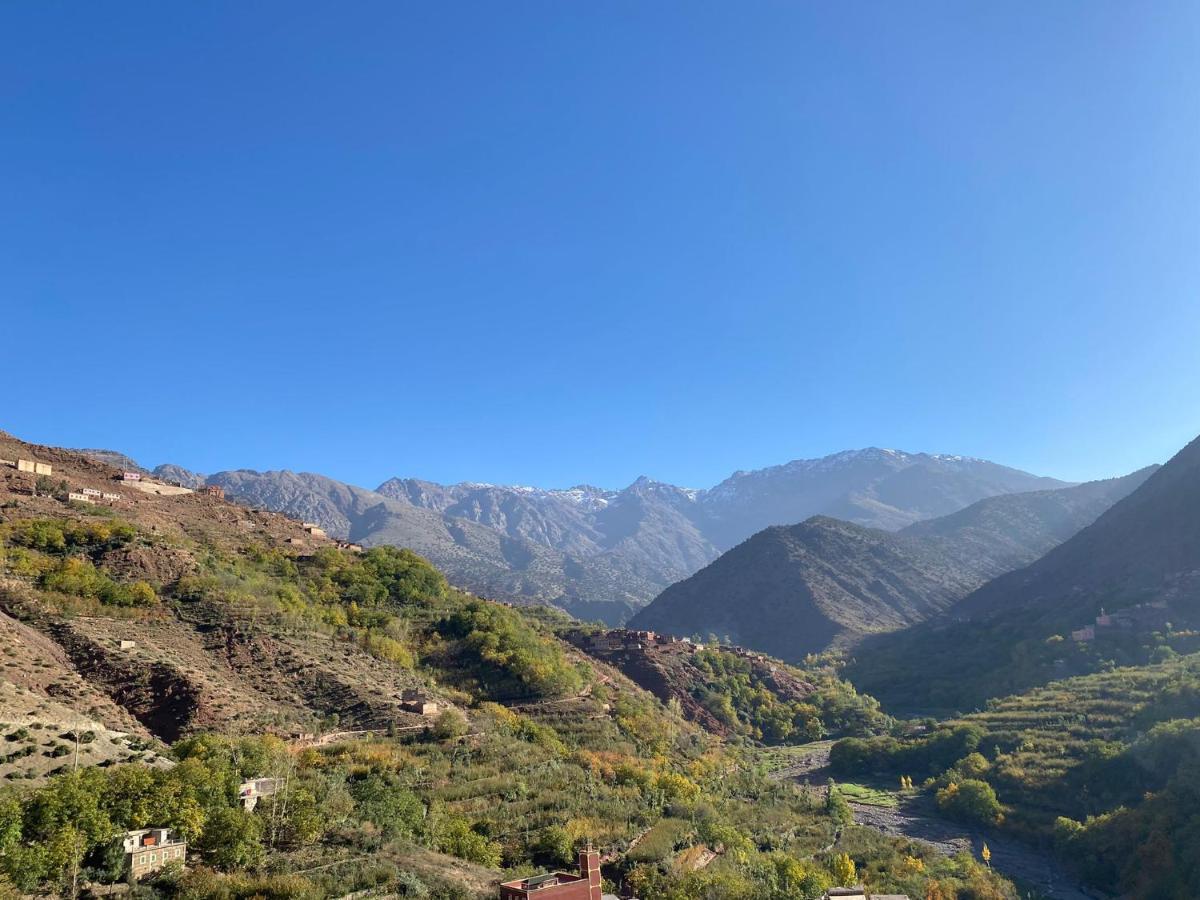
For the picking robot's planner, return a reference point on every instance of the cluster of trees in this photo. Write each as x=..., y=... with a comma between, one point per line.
x=60, y=556
x=737, y=694
x=61, y=537
x=970, y=800
x=1148, y=848
x=925, y=757
x=734, y=693
x=383, y=578
x=500, y=656
x=71, y=827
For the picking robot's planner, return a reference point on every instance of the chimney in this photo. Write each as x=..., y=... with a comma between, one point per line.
x=589, y=868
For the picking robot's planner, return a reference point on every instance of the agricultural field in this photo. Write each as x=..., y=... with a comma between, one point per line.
x=869, y=796
x=1087, y=765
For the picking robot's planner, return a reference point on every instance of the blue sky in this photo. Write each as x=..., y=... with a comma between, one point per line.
x=556, y=242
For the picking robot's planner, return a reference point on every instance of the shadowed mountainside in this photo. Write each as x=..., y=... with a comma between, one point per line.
x=794, y=590
x=1008, y=635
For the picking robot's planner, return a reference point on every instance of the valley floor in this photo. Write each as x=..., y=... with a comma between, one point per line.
x=918, y=819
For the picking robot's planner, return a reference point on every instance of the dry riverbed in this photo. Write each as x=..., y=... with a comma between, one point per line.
x=917, y=818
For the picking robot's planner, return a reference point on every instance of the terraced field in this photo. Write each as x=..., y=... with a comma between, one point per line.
x=1055, y=740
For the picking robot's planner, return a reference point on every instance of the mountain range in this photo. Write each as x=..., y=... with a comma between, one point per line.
x=798, y=589
x=603, y=554
x=1137, y=567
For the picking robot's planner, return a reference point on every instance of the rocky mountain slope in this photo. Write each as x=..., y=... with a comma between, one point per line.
x=876, y=488
x=602, y=554
x=1139, y=560
x=794, y=590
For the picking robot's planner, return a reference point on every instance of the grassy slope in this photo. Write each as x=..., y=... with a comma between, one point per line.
x=252, y=629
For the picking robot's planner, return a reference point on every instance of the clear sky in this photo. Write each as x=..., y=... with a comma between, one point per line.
x=567, y=242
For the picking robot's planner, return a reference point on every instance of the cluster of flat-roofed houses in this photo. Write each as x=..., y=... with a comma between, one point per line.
x=80, y=495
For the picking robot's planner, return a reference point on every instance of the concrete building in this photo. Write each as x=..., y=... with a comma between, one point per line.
x=1086, y=633
x=80, y=498
x=858, y=892
x=150, y=849
x=112, y=498
x=131, y=476
x=214, y=490
x=37, y=468
x=313, y=529
x=91, y=492
x=559, y=885
x=250, y=791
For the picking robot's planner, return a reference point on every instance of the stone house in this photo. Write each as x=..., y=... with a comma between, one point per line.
x=150, y=849
x=418, y=702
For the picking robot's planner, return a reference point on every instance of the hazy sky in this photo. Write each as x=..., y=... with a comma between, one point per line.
x=570, y=242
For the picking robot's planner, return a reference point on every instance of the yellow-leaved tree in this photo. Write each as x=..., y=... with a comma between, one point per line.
x=844, y=870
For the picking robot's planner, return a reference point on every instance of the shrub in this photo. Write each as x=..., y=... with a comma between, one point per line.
x=970, y=800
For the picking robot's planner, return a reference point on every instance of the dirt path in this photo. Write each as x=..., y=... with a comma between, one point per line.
x=918, y=819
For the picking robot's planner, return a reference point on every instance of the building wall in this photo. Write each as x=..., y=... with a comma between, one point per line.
x=145, y=860
x=587, y=885
x=573, y=890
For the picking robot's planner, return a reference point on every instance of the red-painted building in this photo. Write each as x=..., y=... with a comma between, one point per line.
x=559, y=885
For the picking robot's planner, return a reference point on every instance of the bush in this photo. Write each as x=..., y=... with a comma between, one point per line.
x=971, y=801
x=450, y=724
x=457, y=838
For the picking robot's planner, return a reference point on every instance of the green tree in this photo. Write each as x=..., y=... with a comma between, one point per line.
x=836, y=805
x=555, y=845
x=456, y=837
x=390, y=806
x=232, y=839
x=970, y=800
x=450, y=723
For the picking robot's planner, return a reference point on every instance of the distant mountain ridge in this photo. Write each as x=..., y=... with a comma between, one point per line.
x=1014, y=632
x=602, y=553
x=794, y=590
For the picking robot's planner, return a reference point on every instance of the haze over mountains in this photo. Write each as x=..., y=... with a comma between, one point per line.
x=604, y=553
x=794, y=590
